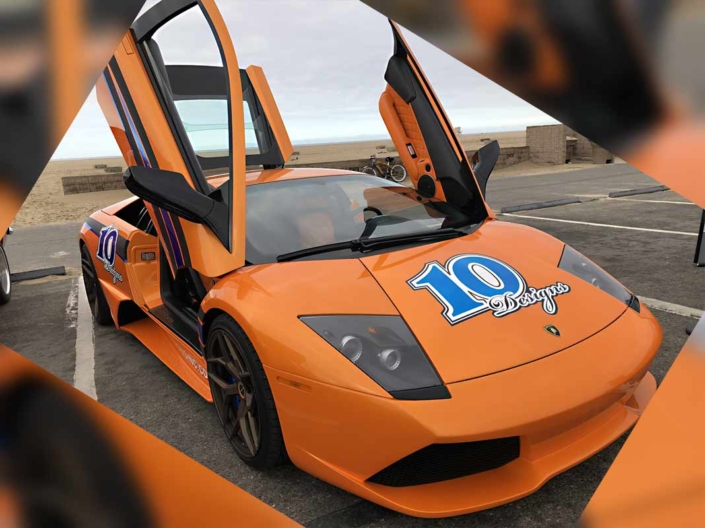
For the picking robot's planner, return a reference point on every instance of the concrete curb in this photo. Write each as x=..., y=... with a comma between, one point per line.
x=634, y=192
x=37, y=274
x=540, y=205
x=677, y=309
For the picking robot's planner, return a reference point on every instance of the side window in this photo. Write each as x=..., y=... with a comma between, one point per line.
x=187, y=47
x=197, y=84
x=251, y=142
x=206, y=124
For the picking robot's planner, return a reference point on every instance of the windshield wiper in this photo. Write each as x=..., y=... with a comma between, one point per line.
x=350, y=244
x=392, y=240
x=361, y=244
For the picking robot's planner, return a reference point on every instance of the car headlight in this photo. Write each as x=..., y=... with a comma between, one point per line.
x=577, y=264
x=383, y=347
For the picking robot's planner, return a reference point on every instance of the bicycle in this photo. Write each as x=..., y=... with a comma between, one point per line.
x=385, y=169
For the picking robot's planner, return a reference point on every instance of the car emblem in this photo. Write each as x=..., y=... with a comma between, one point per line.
x=551, y=329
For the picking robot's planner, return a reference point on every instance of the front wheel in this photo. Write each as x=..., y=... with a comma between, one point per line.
x=242, y=396
x=5, y=281
x=398, y=173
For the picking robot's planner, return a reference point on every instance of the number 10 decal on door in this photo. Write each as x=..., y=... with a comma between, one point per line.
x=469, y=285
x=107, y=249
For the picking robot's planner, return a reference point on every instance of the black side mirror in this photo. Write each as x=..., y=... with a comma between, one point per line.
x=170, y=191
x=483, y=162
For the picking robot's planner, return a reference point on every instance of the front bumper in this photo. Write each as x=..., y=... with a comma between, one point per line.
x=564, y=408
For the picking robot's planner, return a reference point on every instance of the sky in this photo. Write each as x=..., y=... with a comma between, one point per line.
x=325, y=63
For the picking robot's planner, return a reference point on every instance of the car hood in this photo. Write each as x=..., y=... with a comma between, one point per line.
x=486, y=342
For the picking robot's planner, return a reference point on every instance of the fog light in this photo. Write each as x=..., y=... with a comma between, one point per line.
x=390, y=359
x=351, y=347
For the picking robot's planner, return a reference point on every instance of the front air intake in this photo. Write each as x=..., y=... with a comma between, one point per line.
x=439, y=462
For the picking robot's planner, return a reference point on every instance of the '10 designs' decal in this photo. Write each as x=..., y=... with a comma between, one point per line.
x=469, y=285
x=107, y=248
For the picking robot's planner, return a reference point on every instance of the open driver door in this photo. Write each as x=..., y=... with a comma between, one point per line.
x=424, y=136
x=177, y=121
x=179, y=118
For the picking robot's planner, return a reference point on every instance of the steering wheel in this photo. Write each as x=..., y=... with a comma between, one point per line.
x=373, y=209
x=362, y=210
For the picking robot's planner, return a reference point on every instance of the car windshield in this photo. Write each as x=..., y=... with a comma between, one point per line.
x=288, y=216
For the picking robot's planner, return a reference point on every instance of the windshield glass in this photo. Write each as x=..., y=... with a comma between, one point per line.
x=288, y=216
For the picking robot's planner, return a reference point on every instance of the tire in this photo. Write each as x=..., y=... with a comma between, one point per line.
x=94, y=292
x=242, y=396
x=398, y=173
x=5, y=280
x=370, y=170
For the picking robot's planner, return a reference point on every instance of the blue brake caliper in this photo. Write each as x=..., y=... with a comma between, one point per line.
x=236, y=399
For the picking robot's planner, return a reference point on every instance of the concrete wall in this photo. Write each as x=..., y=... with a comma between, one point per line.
x=108, y=182
x=550, y=144
x=601, y=156
x=547, y=143
x=583, y=148
x=512, y=155
x=354, y=165
x=92, y=183
x=589, y=150
x=507, y=156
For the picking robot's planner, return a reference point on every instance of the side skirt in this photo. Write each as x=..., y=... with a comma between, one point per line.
x=175, y=353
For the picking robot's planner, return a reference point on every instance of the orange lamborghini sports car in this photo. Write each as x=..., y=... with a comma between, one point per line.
x=396, y=341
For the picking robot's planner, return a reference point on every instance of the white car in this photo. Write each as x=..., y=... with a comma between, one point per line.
x=5, y=283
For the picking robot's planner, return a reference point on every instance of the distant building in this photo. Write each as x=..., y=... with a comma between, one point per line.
x=559, y=144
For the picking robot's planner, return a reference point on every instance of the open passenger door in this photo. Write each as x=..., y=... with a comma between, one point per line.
x=190, y=120
x=424, y=136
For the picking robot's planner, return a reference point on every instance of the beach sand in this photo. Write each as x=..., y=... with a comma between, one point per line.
x=47, y=204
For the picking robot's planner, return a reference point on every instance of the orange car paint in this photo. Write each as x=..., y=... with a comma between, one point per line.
x=566, y=397
x=565, y=406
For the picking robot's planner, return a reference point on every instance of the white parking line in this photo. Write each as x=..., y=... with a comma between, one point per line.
x=673, y=202
x=671, y=308
x=665, y=231
x=72, y=305
x=84, y=376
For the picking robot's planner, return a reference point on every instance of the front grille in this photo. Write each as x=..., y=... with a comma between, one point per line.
x=439, y=462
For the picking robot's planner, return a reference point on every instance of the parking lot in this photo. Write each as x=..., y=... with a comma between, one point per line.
x=647, y=241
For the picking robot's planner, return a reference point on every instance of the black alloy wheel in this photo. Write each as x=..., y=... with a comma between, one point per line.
x=242, y=396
